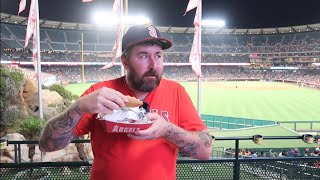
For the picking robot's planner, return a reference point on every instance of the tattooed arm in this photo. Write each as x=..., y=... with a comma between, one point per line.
x=58, y=132
x=196, y=144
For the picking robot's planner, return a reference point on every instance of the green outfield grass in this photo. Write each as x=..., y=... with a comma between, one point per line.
x=254, y=100
x=258, y=100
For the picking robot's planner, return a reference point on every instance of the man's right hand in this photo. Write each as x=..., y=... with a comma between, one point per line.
x=103, y=101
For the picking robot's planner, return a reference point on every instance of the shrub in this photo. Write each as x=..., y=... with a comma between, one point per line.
x=31, y=127
x=9, y=117
x=10, y=80
x=74, y=96
x=62, y=91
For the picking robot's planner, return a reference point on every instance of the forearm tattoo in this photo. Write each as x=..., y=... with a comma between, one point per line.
x=188, y=142
x=206, y=138
x=58, y=132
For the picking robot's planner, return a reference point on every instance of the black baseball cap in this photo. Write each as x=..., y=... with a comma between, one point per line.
x=141, y=33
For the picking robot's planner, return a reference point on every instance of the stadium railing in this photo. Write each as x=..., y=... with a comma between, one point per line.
x=302, y=126
x=215, y=168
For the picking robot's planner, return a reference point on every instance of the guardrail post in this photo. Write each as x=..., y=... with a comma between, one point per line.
x=15, y=154
x=311, y=124
x=19, y=150
x=236, y=167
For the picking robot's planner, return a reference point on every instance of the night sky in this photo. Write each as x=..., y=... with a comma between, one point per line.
x=236, y=13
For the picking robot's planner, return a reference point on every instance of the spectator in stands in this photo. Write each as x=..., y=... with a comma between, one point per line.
x=291, y=153
x=229, y=153
x=254, y=155
x=315, y=153
x=262, y=154
x=144, y=154
x=271, y=154
x=284, y=153
x=297, y=153
x=241, y=152
x=308, y=152
x=247, y=152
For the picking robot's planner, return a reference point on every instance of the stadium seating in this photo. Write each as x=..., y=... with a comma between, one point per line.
x=60, y=39
x=60, y=45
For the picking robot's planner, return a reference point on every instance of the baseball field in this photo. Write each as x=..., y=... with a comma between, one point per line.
x=254, y=100
x=273, y=101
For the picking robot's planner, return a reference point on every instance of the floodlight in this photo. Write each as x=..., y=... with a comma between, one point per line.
x=110, y=19
x=105, y=18
x=135, y=20
x=213, y=23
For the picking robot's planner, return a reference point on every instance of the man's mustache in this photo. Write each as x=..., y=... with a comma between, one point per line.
x=151, y=73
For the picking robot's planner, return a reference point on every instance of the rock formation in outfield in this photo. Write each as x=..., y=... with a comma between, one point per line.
x=19, y=99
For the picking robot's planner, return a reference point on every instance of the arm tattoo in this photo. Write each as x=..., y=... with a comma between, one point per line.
x=58, y=132
x=178, y=136
x=192, y=143
x=206, y=138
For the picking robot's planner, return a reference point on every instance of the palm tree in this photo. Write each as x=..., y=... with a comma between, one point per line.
x=31, y=128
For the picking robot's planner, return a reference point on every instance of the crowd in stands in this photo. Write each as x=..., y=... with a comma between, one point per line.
x=184, y=73
x=172, y=57
x=279, y=49
x=296, y=152
x=214, y=73
x=56, y=56
x=74, y=73
x=307, y=152
x=12, y=36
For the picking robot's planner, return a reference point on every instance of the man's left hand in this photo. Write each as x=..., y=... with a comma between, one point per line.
x=157, y=130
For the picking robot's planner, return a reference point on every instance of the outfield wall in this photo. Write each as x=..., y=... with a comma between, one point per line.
x=224, y=122
x=298, y=83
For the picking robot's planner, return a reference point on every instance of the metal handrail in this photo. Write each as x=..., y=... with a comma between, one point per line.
x=213, y=137
x=236, y=160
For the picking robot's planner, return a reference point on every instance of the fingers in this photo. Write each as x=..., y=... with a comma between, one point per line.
x=103, y=101
x=157, y=129
x=113, y=99
x=147, y=132
x=153, y=116
x=112, y=102
x=123, y=98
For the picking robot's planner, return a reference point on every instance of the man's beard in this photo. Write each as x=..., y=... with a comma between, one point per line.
x=143, y=84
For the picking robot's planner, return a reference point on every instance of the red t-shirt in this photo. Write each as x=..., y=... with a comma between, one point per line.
x=118, y=157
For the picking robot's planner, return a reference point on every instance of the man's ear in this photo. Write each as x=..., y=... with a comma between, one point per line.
x=124, y=61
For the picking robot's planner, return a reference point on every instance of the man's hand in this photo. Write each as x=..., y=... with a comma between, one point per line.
x=103, y=101
x=197, y=144
x=157, y=130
